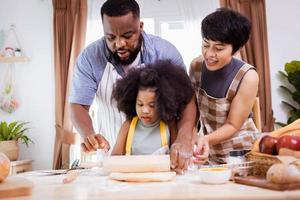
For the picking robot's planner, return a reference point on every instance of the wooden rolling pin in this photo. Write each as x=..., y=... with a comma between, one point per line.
x=137, y=163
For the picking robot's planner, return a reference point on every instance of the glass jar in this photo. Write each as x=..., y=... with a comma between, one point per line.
x=237, y=162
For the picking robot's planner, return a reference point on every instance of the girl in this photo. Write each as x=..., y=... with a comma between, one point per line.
x=152, y=98
x=226, y=87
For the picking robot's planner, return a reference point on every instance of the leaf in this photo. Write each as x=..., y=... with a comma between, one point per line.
x=294, y=116
x=283, y=74
x=289, y=105
x=1, y=128
x=286, y=89
x=294, y=79
x=5, y=133
x=19, y=128
x=14, y=131
x=280, y=124
x=296, y=96
x=292, y=66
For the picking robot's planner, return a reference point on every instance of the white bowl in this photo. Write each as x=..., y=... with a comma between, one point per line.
x=217, y=175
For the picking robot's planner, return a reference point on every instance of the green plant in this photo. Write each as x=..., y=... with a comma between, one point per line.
x=14, y=131
x=292, y=74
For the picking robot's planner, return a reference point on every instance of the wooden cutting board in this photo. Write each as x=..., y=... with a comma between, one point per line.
x=143, y=177
x=263, y=183
x=15, y=186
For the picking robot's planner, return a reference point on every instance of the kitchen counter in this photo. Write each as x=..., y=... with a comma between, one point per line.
x=93, y=184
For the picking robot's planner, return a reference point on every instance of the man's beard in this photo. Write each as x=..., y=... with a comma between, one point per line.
x=132, y=55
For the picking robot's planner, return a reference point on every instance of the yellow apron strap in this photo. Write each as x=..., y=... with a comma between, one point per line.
x=130, y=135
x=163, y=133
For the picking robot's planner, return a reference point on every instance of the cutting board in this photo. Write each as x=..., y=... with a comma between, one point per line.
x=143, y=177
x=15, y=186
x=263, y=183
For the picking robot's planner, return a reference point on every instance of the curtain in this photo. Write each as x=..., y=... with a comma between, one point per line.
x=256, y=52
x=191, y=13
x=189, y=10
x=69, y=29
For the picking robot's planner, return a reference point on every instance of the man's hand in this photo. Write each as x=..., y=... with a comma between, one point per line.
x=202, y=150
x=94, y=142
x=181, y=154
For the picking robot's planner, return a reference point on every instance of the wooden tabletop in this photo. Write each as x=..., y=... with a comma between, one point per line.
x=93, y=184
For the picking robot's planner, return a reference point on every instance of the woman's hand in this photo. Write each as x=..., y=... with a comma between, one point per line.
x=202, y=150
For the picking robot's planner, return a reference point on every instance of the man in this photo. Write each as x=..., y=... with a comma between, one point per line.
x=124, y=46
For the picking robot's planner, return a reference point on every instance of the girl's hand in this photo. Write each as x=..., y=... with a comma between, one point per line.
x=202, y=150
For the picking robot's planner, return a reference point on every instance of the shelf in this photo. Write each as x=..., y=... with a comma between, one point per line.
x=13, y=59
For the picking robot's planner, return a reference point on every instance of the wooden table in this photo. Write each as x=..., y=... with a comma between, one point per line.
x=94, y=185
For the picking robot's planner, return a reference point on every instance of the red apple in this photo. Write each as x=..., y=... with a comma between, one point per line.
x=290, y=142
x=267, y=145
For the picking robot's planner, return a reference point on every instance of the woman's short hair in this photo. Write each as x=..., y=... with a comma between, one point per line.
x=227, y=26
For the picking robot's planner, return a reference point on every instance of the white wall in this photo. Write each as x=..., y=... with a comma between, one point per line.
x=35, y=79
x=284, y=45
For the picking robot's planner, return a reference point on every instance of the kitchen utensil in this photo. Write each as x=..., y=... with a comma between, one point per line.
x=137, y=163
x=263, y=183
x=143, y=177
x=15, y=186
x=218, y=175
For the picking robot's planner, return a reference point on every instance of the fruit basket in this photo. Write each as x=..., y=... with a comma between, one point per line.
x=261, y=162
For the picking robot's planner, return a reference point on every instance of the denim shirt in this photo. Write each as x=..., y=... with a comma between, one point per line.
x=93, y=59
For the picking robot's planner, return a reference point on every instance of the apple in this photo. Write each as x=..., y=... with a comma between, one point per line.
x=267, y=145
x=289, y=142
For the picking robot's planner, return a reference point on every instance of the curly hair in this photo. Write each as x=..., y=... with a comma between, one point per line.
x=172, y=85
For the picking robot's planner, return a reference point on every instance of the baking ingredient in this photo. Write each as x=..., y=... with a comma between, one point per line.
x=283, y=174
x=290, y=142
x=4, y=166
x=267, y=145
x=217, y=169
x=143, y=177
x=215, y=175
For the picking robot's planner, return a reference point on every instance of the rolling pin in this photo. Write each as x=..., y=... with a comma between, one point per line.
x=137, y=163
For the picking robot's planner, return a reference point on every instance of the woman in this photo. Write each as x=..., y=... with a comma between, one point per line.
x=225, y=86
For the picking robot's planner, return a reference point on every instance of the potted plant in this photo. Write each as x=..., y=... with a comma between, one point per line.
x=10, y=134
x=292, y=74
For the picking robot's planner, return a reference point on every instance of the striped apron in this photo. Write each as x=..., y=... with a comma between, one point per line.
x=213, y=115
x=131, y=132
x=109, y=118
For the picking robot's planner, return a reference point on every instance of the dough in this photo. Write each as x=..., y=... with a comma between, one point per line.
x=143, y=177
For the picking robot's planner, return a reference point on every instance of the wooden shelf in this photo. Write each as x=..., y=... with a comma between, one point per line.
x=13, y=59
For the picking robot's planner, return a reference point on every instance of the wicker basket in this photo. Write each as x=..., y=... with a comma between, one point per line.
x=261, y=162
